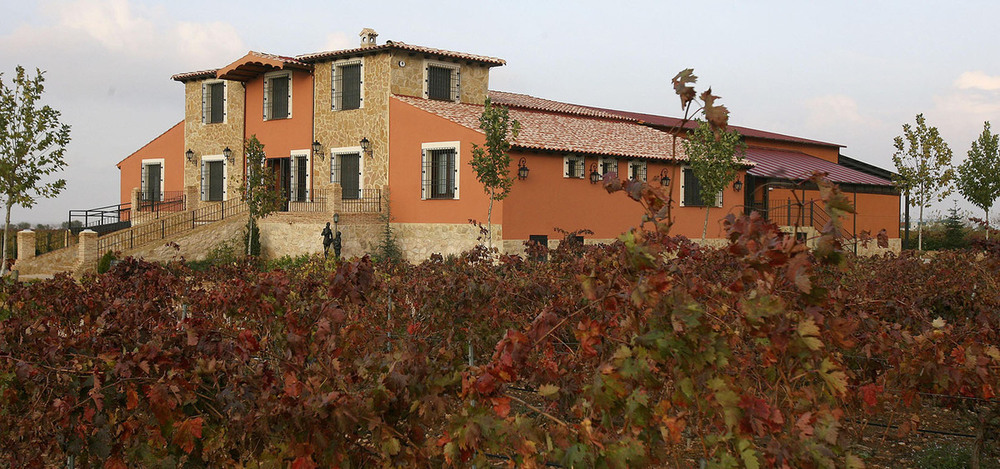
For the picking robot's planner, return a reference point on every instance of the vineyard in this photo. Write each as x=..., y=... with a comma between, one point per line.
x=651, y=352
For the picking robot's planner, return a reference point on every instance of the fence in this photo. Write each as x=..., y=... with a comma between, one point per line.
x=794, y=213
x=101, y=219
x=317, y=204
x=173, y=201
x=368, y=201
x=169, y=226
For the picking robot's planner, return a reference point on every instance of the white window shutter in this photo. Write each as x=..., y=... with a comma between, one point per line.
x=566, y=166
x=205, y=99
x=225, y=180
x=454, y=156
x=427, y=83
x=424, y=177
x=267, y=87
x=306, y=161
x=225, y=102
x=333, y=86
x=361, y=92
x=143, y=183
x=204, y=181
x=289, y=96
x=458, y=85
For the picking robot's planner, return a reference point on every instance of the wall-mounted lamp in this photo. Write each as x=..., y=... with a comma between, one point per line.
x=595, y=177
x=664, y=178
x=336, y=223
x=228, y=154
x=189, y=155
x=318, y=149
x=737, y=185
x=522, y=169
x=366, y=146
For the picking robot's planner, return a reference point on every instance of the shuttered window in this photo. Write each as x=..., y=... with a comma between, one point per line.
x=439, y=173
x=442, y=81
x=573, y=166
x=278, y=96
x=213, y=102
x=609, y=165
x=691, y=190
x=637, y=170
x=347, y=86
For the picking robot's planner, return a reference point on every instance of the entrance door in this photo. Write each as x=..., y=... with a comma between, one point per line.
x=153, y=178
x=350, y=176
x=215, y=180
x=282, y=170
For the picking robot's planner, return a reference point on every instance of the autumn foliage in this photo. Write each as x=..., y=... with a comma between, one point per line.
x=649, y=352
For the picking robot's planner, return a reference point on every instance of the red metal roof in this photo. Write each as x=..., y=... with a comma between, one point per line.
x=544, y=130
x=317, y=56
x=785, y=164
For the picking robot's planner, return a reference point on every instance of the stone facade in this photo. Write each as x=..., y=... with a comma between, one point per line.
x=192, y=245
x=408, y=80
x=293, y=235
x=211, y=139
x=419, y=240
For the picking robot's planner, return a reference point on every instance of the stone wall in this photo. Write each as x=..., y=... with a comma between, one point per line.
x=408, y=80
x=295, y=234
x=211, y=139
x=192, y=245
x=419, y=240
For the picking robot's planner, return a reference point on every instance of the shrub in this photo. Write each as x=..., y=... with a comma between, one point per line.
x=104, y=263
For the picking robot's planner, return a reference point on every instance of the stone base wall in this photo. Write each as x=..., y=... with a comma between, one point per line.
x=193, y=245
x=419, y=240
x=295, y=234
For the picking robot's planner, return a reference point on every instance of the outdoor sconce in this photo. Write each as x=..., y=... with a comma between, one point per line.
x=228, y=154
x=595, y=177
x=189, y=155
x=664, y=178
x=336, y=222
x=522, y=169
x=318, y=149
x=366, y=146
x=737, y=185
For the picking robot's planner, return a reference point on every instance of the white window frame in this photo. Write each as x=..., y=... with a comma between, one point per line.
x=267, y=85
x=425, y=149
x=631, y=169
x=583, y=166
x=225, y=176
x=606, y=160
x=718, y=198
x=206, y=103
x=334, y=102
x=456, y=78
x=303, y=155
x=142, y=174
x=335, y=175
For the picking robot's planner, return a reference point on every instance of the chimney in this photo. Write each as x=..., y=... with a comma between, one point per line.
x=368, y=36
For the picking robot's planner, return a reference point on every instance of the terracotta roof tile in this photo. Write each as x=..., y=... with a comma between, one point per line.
x=317, y=56
x=544, y=130
x=194, y=75
x=524, y=101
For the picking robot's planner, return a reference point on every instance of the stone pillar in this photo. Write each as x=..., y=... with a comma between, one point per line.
x=25, y=244
x=134, y=213
x=87, y=254
x=192, y=196
x=334, y=194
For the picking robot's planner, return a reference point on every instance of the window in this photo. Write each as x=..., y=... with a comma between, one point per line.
x=573, y=166
x=440, y=170
x=691, y=191
x=348, y=89
x=213, y=102
x=609, y=165
x=441, y=81
x=540, y=248
x=213, y=178
x=278, y=95
x=346, y=169
x=637, y=170
x=300, y=176
x=152, y=181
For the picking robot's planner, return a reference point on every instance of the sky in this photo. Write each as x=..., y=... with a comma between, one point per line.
x=846, y=72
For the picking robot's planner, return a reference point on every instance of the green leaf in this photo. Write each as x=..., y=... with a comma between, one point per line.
x=548, y=391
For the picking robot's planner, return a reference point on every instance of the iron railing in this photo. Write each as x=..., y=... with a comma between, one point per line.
x=169, y=226
x=368, y=201
x=173, y=201
x=810, y=213
x=101, y=219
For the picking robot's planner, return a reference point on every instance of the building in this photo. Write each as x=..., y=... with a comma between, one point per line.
x=352, y=132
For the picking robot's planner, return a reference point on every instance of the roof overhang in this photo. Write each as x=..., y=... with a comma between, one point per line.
x=255, y=64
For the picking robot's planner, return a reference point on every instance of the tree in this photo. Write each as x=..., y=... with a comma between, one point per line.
x=32, y=145
x=714, y=156
x=979, y=176
x=258, y=191
x=491, y=162
x=923, y=165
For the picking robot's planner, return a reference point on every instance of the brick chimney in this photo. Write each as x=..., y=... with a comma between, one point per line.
x=368, y=36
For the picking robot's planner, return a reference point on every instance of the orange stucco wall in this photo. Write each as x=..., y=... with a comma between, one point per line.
x=819, y=151
x=874, y=211
x=281, y=136
x=409, y=128
x=170, y=147
x=547, y=200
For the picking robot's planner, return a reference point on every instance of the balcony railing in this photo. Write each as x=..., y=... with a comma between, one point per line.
x=173, y=201
x=368, y=201
x=810, y=213
x=101, y=219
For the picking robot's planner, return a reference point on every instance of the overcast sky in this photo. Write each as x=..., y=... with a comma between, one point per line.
x=848, y=72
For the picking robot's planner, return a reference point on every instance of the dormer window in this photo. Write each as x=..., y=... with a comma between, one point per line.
x=348, y=89
x=213, y=102
x=278, y=95
x=441, y=81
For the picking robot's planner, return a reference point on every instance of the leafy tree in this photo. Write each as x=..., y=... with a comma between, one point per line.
x=923, y=164
x=258, y=191
x=32, y=145
x=491, y=162
x=714, y=157
x=979, y=176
